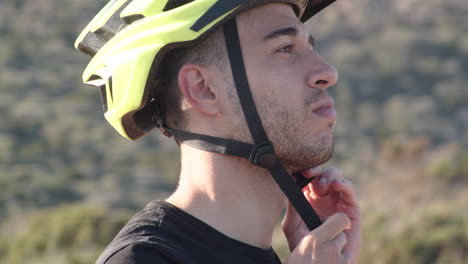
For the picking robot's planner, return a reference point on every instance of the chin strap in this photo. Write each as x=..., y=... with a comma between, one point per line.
x=263, y=145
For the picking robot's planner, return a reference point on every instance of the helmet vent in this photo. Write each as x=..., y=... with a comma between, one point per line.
x=171, y=4
x=132, y=18
x=102, y=89
x=90, y=44
x=110, y=28
x=94, y=41
x=100, y=83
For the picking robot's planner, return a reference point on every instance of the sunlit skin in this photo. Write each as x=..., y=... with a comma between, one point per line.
x=289, y=83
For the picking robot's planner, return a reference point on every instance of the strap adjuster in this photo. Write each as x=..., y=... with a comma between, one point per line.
x=157, y=117
x=160, y=125
x=263, y=155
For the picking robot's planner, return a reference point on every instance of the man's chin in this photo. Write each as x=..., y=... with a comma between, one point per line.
x=307, y=162
x=314, y=163
x=292, y=166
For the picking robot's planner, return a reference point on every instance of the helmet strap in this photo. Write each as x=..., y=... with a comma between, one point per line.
x=263, y=146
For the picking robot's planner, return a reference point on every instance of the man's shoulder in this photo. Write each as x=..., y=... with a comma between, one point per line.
x=162, y=233
x=140, y=253
x=139, y=239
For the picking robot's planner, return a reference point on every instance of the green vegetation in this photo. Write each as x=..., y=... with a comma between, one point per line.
x=401, y=135
x=439, y=236
x=67, y=234
x=453, y=169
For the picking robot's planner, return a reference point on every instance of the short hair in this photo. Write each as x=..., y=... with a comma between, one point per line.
x=209, y=51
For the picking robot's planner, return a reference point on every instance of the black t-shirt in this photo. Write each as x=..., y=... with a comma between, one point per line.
x=162, y=233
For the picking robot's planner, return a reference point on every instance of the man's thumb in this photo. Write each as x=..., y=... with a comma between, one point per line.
x=332, y=226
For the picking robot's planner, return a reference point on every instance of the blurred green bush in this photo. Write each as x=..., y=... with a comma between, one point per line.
x=74, y=233
x=438, y=237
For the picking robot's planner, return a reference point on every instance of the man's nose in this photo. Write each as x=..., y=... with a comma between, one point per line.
x=321, y=75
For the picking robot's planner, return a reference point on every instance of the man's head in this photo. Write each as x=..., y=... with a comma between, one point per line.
x=279, y=79
x=129, y=39
x=287, y=78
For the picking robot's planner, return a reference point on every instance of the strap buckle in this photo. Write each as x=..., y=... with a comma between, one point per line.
x=157, y=119
x=158, y=122
x=263, y=155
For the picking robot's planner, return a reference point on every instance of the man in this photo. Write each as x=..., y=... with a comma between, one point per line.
x=226, y=206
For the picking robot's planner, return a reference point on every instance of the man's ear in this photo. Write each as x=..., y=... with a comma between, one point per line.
x=194, y=84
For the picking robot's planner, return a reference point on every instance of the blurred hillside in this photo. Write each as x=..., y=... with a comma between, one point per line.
x=70, y=181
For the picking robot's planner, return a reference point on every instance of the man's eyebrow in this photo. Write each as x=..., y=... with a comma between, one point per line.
x=288, y=31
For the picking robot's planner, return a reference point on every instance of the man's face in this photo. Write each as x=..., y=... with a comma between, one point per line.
x=288, y=81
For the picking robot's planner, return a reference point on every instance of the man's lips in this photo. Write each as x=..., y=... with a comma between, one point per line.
x=325, y=108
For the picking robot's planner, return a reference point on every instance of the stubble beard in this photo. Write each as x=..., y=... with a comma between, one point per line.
x=304, y=156
x=292, y=142
x=294, y=146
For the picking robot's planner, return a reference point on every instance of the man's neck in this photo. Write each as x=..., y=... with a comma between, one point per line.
x=231, y=195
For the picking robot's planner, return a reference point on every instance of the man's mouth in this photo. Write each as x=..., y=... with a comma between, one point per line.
x=324, y=108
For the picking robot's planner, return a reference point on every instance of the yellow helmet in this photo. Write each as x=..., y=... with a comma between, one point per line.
x=129, y=38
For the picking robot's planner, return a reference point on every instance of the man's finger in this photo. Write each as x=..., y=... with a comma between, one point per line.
x=347, y=255
x=312, y=172
x=321, y=186
x=347, y=191
x=333, y=226
x=341, y=240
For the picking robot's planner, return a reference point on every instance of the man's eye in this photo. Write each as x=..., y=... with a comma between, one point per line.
x=287, y=48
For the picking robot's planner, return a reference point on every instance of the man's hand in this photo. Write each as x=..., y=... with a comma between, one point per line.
x=324, y=245
x=328, y=194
